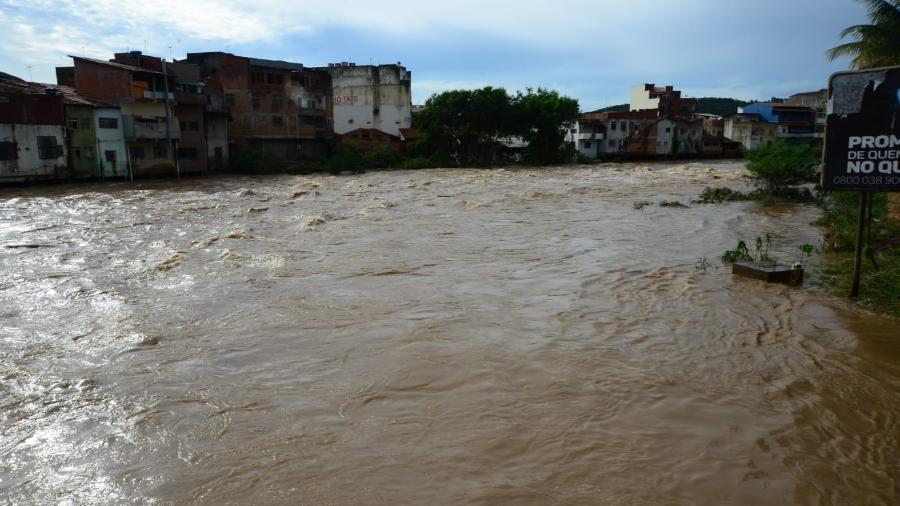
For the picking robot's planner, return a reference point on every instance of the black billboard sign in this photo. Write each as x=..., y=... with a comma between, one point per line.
x=862, y=131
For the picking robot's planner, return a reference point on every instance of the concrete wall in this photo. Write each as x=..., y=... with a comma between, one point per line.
x=111, y=150
x=29, y=164
x=751, y=134
x=370, y=96
x=639, y=99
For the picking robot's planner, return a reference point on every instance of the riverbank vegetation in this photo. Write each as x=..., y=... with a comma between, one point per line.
x=880, y=281
x=780, y=172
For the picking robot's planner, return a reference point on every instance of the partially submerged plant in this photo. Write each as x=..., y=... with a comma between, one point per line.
x=806, y=251
x=741, y=253
x=702, y=265
x=640, y=204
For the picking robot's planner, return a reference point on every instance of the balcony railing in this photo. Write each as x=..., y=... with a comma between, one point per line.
x=158, y=95
x=136, y=127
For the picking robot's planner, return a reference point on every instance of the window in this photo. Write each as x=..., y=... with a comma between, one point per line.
x=109, y=122
x=85, y=124
x=73, y=124
x=229, y=99
x=76, y=152
x=277, y=102
x=137, y=153
x=277, y=120
x=194, y=126
x=160, y=151
x=668, y=130
x=612, y=144
x=587, y=145
x=87, y=152
x=254, y=100
x=48, y=149
x=612, y=126
x=110, y=156
x=183, y=125
x=8, y=150
x=187, y=153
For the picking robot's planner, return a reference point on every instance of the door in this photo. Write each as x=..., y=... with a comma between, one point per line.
x=110, y=157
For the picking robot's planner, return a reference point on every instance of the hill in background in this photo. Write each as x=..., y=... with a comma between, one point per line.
x=706, y=105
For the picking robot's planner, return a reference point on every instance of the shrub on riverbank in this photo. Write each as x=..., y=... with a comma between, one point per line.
x=779, y=166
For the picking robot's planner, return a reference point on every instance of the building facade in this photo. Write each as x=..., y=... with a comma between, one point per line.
x=796, y=124
x=750, y=129
x=32, y=132
x=142, y=88
x=274, y=106
x=371, y=96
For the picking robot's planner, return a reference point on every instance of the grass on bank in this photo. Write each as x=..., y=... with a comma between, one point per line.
x=880, y=280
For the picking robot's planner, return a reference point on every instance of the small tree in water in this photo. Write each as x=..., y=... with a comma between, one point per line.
x=780, y=166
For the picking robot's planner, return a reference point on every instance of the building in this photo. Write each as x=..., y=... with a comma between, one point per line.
x=94, y=136
x=142, y=88
x=277, y=107
x=793, y=123
x=32, y=132
x=371, y=96
x=659, y=122
x=750, y=129
x=667, y=100
x=816, y=100
x=190, y=109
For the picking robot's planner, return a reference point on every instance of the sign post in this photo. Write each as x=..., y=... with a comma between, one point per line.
x=862, y=142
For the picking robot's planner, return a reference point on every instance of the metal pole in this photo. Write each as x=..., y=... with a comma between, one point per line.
x=860, y=238
x=169, y=120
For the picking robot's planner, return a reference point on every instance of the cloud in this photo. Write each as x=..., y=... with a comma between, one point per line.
x=594, y=48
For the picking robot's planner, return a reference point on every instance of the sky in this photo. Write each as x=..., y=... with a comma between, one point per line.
x=592, y=50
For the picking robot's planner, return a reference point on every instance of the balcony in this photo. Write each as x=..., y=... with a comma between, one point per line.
x=190, y=98
x=141, y=128
x=590, y=136
x=158, y=95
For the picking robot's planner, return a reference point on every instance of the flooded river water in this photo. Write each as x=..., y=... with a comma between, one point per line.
x=520, y=336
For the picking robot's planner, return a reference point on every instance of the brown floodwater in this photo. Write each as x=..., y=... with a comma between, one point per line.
x=519, y=336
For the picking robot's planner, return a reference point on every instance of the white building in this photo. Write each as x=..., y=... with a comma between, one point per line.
x=372, y=97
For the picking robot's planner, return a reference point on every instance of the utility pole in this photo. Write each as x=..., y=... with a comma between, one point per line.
x=30, y=78
x=169, y=118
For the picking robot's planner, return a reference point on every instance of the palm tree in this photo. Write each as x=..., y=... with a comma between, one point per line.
x=876, y=44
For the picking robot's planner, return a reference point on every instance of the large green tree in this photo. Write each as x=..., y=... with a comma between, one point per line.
x=876, y=44
x=470, y=125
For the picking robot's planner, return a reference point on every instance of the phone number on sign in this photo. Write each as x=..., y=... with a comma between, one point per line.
x=866, y=180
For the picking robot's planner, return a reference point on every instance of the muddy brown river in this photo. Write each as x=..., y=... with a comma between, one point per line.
x=518, y=336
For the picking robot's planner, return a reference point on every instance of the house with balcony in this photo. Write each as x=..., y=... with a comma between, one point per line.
x=190, y=109
x=794, y=123
x=816, y=100
x=750, y=129
x=32, y=132
x=143, y=89
x=278, y=107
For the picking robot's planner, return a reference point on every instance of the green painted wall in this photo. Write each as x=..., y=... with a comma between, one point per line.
x=82, y=141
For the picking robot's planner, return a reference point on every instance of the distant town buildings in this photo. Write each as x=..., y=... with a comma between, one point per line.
x=140, y=115
x=661, y=122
